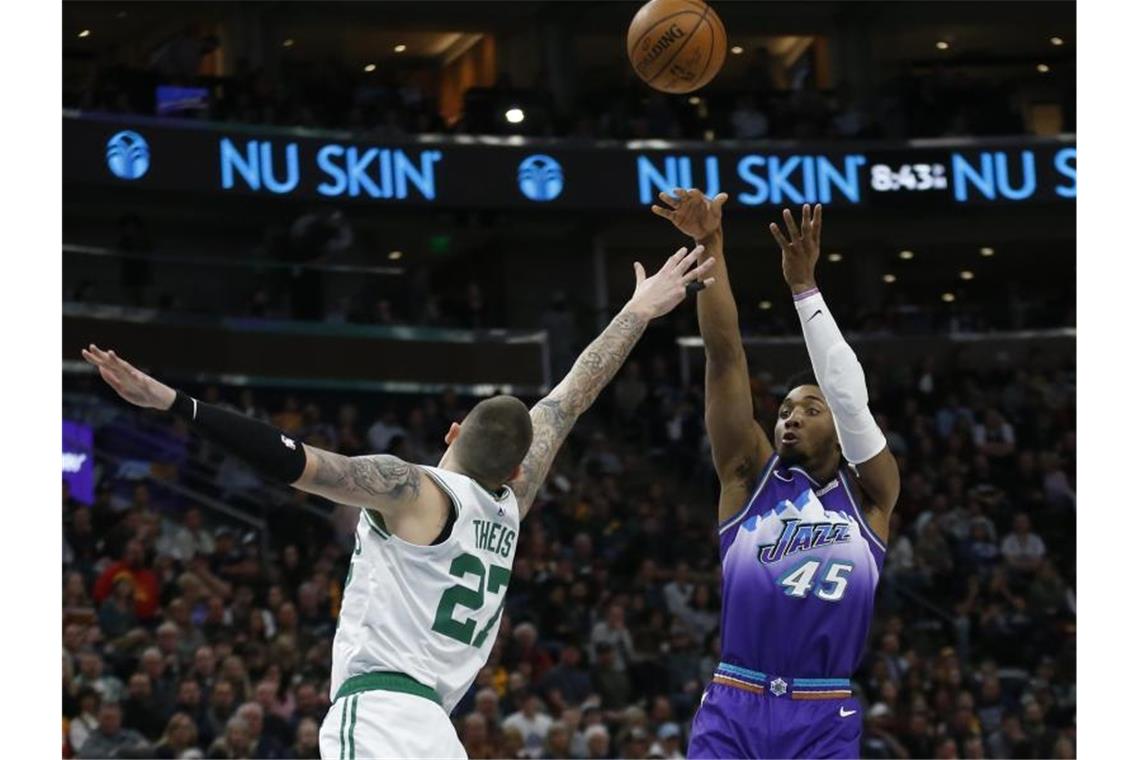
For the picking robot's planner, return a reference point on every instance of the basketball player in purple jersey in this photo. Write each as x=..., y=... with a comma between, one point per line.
x=803, y=527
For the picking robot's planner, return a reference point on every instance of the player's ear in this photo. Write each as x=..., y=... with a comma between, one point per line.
x=452, y=434
x=515, y=473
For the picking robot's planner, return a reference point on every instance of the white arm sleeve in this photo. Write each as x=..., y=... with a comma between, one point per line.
x=841, y=379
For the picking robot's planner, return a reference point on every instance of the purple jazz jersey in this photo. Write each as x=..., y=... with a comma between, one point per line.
x=800, y=570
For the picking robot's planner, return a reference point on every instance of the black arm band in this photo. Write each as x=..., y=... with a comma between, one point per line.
x=264, y=447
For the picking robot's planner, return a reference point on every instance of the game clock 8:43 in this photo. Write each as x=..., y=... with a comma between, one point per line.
x=917, y=177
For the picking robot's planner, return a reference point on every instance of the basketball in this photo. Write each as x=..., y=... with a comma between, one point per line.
x=676, y=46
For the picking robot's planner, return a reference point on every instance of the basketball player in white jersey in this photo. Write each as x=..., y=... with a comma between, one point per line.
x=434, y=545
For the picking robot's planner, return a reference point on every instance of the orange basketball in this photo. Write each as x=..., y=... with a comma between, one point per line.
x=676, y=45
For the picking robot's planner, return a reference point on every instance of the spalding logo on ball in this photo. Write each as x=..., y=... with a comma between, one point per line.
x=676, y=46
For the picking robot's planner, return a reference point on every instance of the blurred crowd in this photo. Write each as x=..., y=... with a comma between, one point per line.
x=389, y=103
x=188, y=634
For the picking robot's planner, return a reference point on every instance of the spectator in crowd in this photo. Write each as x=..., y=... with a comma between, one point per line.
x=611, y=566
x=140, y=709
x=178, y=740
x=613, y=631
x=1023, y=549
x=109, y=738
x=86, y=721
x=568, y=678
x=234, y=741
x=307, y=745
x=531, y=724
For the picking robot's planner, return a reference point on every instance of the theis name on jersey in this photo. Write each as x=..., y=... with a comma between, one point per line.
x=799, y=535
x=494, y=537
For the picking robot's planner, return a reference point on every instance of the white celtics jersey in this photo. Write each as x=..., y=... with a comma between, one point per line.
x=429, y=612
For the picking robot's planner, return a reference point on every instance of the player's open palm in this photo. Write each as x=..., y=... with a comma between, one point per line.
x=691, y=211
x=132, y=384
x=800, y=249
x=658, y=295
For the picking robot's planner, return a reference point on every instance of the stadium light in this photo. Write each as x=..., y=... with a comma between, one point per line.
x=986, y=251
x=889, y=278
x=966, y=274
x=370, y=68
x=1056, y=41
x=515, y=115
x=694, y=101
x=737, y=50
x=395, y=255
x=85, y=33
x=288, y=43
x=942, y=45
x=1042, y=68
x=400, y=48
x=906, y=255
x=834, y=257
x=765, y=305
x=948, y=298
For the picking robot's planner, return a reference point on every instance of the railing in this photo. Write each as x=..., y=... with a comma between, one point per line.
x=198, y=478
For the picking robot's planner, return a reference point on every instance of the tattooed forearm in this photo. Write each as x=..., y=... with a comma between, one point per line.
x=600, y=362
x=362, y=481
x=553, y=417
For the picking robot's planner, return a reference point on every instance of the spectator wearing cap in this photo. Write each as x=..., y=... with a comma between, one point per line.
x=668, y=744
x=597, y=742
x=878, y=739
x=109, y=737
x=117, y=612
x=133, y=569
x=636, y=745
x=531, y=723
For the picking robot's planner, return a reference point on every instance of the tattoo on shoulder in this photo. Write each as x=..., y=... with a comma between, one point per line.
x=382, y=476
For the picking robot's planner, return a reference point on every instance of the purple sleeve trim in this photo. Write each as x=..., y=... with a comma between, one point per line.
x=805, y=294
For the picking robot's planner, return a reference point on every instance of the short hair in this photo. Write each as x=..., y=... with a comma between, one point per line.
x=802, y=377
x=496, y=437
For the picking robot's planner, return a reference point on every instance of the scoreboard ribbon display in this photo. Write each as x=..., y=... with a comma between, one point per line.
x=461, y=171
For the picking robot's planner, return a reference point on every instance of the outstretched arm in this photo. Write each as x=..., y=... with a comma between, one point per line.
x=739, y=445
x=553, y=416
x=383, y=483
x=837, y=369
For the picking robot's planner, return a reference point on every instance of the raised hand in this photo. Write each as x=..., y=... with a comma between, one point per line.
x=132, y=384
x=800, y=249
x=691, y=211
x=658, y=295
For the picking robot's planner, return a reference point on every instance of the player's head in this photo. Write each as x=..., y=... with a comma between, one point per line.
x=805, y=431
x=490, y=443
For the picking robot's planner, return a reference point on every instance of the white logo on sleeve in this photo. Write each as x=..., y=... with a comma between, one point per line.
x=289, y=442
x=845, y=713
